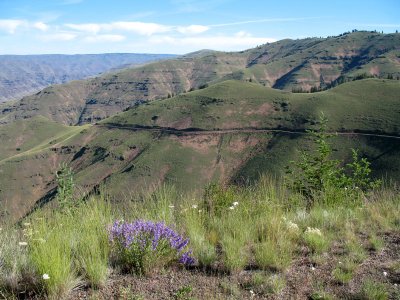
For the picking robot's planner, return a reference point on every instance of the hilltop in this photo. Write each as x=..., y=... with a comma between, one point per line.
x=289, y=65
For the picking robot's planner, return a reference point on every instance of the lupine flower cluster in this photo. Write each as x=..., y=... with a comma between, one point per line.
x=146, y=238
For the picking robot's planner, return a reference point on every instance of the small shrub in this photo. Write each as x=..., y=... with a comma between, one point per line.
x=66, y=185
x=143, y=246
x=317, y=171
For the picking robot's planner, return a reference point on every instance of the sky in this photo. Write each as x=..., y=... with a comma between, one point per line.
x=180, y=26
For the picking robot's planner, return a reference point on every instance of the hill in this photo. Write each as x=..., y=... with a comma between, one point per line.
x=289, y=65
x=230, y=131
x=22, y=75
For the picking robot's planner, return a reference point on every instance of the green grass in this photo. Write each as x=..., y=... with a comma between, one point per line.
x=265, y=230
x=71, y=247
x=374, y=291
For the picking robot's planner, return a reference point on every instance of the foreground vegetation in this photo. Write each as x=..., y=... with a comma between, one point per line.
x=332, y=218
x=265, y=228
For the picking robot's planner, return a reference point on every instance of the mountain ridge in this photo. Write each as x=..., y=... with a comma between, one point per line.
x=21, y=75
x=288, y=65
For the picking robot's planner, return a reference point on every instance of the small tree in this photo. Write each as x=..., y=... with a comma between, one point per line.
x=65, y=190
x=316, y=170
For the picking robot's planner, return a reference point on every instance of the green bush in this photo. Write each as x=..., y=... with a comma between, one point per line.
x=317, y=171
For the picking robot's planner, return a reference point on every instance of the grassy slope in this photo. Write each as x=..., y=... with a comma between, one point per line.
x=370, y=105
x=127, y=161
x=23, y=137
x=28, y=161
x=285, y=65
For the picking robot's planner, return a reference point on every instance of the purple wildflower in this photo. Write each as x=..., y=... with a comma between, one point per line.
x=147, y=236
x=187, y=259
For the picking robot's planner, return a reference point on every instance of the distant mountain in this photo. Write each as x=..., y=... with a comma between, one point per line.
x=291, y=65
x=22, y=75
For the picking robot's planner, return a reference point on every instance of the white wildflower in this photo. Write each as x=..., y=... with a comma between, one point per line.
x=46, y=276
x=315, y=231
x=23, y=243
x=235, y=203
x=292, y=226
x=385, y=274
x=171, y=206
x=200, y=210
x=231, y=207
x=312, y=268
x=301, y=214
x=194, y=206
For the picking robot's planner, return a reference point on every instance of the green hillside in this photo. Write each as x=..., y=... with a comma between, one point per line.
x=230, y=131
x=287, y=65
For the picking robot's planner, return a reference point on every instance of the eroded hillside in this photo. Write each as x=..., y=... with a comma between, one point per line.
x=230, y=131
x=287, y=64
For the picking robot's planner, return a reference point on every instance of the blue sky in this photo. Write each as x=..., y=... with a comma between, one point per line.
x=179, y=26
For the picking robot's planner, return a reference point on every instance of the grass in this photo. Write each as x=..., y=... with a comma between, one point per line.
x=71, y=247
x=263, y=227
x=374, y=291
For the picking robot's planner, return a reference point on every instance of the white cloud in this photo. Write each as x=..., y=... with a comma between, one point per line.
x=271, y=20
x=105, y=38
x=61, y=36
x=91, y=28
x=138, y=27
x=242, y=34
x=192, y=29
x=239, y=41
x=41, y=26
x=10, y=26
